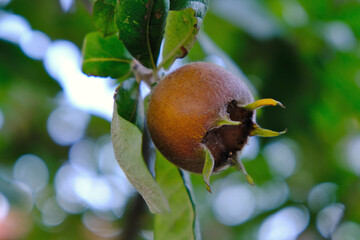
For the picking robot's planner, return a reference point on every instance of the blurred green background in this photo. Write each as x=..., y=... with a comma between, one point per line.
x=58, y=175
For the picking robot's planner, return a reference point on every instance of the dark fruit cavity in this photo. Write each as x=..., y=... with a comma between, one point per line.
x=226, y=140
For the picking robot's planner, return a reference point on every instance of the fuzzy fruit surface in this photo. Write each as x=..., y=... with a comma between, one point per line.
x=185, y=109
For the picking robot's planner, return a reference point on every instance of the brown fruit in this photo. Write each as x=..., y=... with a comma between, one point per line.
x=202, y=106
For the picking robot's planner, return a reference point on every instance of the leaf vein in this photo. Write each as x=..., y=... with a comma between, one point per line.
x=148, y=13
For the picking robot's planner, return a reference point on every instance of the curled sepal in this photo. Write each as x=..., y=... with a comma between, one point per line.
x=262, y=103
x=258, y=131
x=240, y=166
x=208, y=168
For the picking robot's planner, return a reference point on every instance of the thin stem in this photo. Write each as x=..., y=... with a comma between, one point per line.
x=133, y=219
x=142, y=73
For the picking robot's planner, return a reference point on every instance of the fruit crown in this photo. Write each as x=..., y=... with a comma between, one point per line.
x=234, y=157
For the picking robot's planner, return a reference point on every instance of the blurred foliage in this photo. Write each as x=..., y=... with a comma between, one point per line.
x=309, y=59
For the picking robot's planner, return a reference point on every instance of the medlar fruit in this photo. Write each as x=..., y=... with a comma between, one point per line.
x=201, y=116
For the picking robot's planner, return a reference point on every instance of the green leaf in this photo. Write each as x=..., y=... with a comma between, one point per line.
x=200, y=6
x=127, y=143
x=129, y=102
x=141, y=26
x=105, y=56
x=180, y=222
x=180, y=35
x=182, y=27
x=104, y=16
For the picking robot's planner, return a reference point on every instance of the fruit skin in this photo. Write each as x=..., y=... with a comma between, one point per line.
x=185, y=107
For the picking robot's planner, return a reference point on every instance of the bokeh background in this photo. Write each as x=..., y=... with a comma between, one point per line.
x=58, y=175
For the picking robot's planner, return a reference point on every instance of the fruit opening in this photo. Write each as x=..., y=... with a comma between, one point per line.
x=226, y=141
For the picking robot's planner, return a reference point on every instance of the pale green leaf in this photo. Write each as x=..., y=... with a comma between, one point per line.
x=180, y=223
x=182, y=27
x=127, y=143
x=180, y=35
